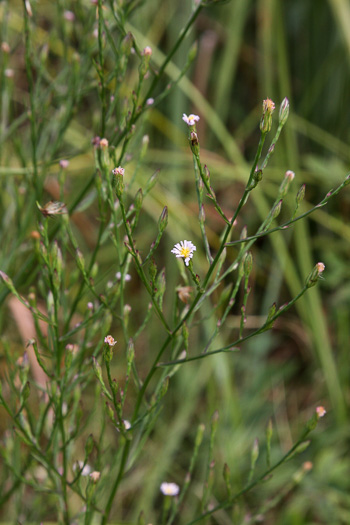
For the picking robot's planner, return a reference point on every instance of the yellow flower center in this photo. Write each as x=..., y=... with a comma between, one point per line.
x=185, y=252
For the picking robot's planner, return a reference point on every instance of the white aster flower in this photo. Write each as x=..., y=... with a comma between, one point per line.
x=185, y=250
x=169, y=489
x=190, y=119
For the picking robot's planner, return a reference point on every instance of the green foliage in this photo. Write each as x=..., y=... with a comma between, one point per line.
x=122, y=366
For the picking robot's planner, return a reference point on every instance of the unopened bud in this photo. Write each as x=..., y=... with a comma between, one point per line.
x=119, y=181
x=248, y=264
x=276, y=210
x=26, y=391
x=127, y=43
x=254, y=453
x=163, y=220
x=301, y=194
x=138, y=199
x=257, y=177
x=194, y=143
x=320, y=411
x=315, y=275
x=288, y=178
x=284, y=112
x=207, y=174
x=199, y=436
x=266, y=119
x=95, y=476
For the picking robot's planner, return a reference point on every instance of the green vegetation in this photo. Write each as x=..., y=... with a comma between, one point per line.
x=124, y=368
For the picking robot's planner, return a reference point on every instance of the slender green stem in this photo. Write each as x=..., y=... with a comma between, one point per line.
x=253, y=484
x=101, y=65
x=233, y=346
x=32, y=116
x=109, y=504
x=140, y=269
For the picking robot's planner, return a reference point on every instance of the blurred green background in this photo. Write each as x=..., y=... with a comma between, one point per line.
x=247, y=51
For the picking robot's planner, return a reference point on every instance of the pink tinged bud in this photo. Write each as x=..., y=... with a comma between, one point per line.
x=5, y=48
x=266, y=119
x=307, y=466
x=110, y=340
x=315, y=275
x=288, y=178
x=150, y=101
x=64, y=164
x=95, y=476
x=103, y=143
x=320, y=268
x=9, y=73
x=147, y=51
x=69, y=16
x=95, y=141
x=284, y=111
x=320, y=411
x=118, y=171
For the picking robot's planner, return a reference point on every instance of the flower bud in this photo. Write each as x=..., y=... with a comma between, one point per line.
x=266, y=119
x=315, y=275
x=284, y=112
x=138, y=199
x=288, y=178
x=248, y=264
x=194, y=143
x=145, y=60
x=127, y=43
x=25, y=391
x=119, y=181
x=276, y=210
x=163, y=220
x=301, y=194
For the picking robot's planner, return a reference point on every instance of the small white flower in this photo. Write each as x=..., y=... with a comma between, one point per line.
x=150, y=101
x=127, y=277
x=185, y=250
x=9, y=73
x=110, y=340
x=169, y=489
x=69, y=16
x=190, y=119
x=85, y=470
x=127, y=424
